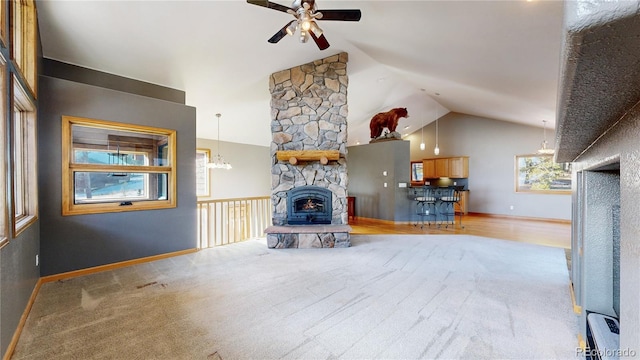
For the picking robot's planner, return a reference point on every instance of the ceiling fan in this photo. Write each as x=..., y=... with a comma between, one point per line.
x=306, y=14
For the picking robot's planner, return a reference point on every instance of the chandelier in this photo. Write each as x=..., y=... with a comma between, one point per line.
x=218, y=162
x=543, y=146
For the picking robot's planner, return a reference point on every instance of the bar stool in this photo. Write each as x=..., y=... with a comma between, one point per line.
x=426, y=205
x=450, y=197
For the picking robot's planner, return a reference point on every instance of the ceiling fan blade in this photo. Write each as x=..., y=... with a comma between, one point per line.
x=321, y=41
x=270, y=5
x=341, y=15
x=280, y=34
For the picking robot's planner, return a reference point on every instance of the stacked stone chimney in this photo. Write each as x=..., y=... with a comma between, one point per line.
x=309, y=112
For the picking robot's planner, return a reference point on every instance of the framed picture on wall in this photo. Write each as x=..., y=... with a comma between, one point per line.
x=202, y=172
x=540, y=174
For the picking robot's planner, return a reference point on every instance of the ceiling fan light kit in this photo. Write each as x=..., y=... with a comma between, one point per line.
x=306, y=14
x=292, y=27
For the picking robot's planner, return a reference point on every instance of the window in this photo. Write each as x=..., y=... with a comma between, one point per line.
x=202, y=172
x=4, y=238
x=25, y=40
x=539, y=173
x=3, y=25
x=25, y=190
x=113, y=167
x=417, y=177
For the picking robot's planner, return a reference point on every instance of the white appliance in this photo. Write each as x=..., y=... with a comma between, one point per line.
x=605, y=331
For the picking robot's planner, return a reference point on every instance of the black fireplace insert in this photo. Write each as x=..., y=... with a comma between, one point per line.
x=308, y=205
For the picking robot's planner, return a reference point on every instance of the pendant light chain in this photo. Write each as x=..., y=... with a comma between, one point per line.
x=218, y=116
x=436, y=150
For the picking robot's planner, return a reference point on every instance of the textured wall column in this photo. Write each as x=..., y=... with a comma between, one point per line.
x=309, y=112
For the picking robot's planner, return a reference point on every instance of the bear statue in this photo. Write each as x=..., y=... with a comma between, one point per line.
x=387, y=120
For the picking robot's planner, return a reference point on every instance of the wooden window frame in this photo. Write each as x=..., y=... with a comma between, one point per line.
x=24, y=45
x=3, y=24
x=203, y=156
x=23, y=163
x=69, y=167
x=4, y=217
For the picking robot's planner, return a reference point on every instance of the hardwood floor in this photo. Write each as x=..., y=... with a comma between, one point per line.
x=535, y=231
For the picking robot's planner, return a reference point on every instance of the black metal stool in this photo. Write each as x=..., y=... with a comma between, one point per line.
x=426, y=205
x=450, y=197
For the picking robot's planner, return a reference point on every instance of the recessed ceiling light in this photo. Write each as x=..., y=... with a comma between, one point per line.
x=406, y=127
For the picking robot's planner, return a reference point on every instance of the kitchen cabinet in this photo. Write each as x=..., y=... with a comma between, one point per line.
x=459, y=167
x=429, y=168
x=442, y=167
x=452, y=167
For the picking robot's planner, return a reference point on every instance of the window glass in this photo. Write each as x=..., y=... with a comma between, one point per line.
x=202, y=172
x=539, y=173
x=19, y=159
x=93, y=187
x=117, y=147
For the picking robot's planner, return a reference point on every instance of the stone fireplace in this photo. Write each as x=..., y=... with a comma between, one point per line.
x=308, y=151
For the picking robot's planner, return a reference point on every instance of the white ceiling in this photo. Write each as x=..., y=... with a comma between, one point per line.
x=496, y=59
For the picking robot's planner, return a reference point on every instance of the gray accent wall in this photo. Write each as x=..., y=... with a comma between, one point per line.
x=81, y=241
x=18, y=277
x=367, y=164
x=58, y=69
x=492, y=146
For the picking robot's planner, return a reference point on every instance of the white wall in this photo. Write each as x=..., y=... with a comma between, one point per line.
x=250, y=175
x=492, y=146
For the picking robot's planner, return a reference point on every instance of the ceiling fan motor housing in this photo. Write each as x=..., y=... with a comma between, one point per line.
x=311, y=4
x=306, y=13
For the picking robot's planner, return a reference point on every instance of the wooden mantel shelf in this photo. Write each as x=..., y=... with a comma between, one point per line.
x=294, y=156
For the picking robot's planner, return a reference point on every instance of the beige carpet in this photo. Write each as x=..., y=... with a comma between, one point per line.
x=386, y=297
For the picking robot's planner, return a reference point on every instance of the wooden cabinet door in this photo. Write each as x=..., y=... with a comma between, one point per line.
x=462, y=206
x=459, y=167
x=442, y=168
x=429, y=169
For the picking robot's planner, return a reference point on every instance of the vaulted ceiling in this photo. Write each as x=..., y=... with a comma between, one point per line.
x=495, y=59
